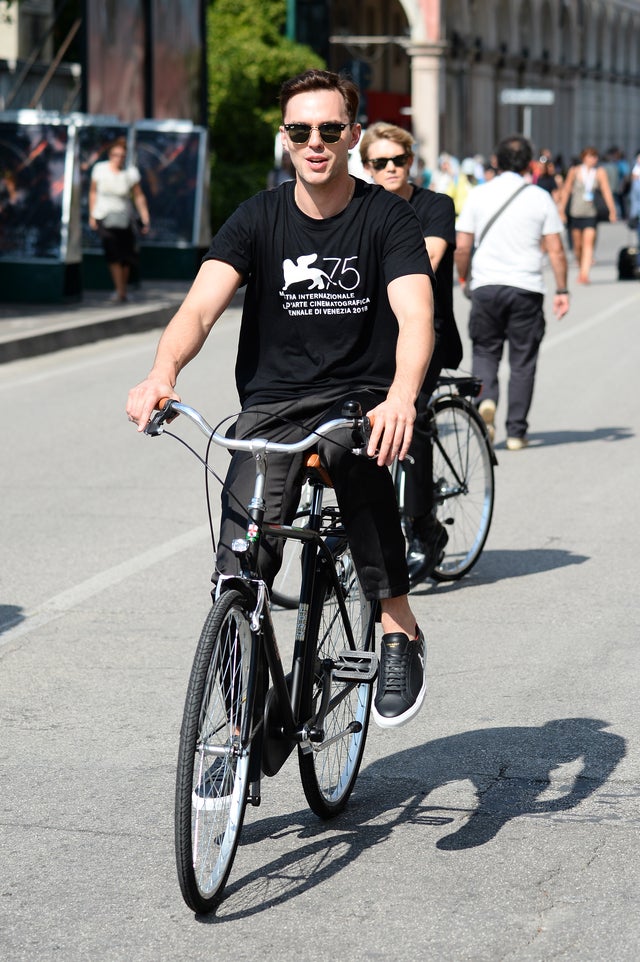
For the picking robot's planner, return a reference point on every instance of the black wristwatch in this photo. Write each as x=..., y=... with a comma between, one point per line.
x=563, y=291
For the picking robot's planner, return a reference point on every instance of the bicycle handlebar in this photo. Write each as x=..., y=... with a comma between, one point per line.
x=352, y=418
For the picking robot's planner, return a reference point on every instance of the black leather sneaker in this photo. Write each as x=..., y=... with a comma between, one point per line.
x=402, y=679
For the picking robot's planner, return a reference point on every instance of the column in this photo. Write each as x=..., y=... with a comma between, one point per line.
x=426, y=60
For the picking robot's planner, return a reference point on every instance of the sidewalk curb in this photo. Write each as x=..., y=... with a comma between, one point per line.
x=74, y=333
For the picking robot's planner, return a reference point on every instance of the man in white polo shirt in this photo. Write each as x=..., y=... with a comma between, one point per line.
x=513, y=224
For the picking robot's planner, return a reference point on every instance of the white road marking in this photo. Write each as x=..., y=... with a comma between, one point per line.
x=592, y=321
x=67, y=600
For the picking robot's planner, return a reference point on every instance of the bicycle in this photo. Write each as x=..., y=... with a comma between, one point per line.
x=236, y=727
x=463, y=480
x=463, y=475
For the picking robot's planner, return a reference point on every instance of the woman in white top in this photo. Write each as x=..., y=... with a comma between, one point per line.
x=580, y=186
x=113, y=186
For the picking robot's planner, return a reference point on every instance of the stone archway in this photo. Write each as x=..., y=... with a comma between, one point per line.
x=393, y=49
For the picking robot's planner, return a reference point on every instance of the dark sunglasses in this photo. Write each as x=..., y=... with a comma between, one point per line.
x=330, y=132
x=381, y=162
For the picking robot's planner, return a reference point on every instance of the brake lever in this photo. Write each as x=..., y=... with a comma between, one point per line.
x=361, y=435
x=165, y=415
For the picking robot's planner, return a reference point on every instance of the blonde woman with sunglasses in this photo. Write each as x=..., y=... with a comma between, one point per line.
x=387, y=155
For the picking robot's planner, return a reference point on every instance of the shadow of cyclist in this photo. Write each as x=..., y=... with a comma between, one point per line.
x=510, y=768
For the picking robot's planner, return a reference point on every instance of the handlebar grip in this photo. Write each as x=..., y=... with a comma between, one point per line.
x=167, y=411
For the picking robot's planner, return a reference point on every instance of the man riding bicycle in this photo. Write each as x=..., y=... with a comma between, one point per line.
x=338, y=306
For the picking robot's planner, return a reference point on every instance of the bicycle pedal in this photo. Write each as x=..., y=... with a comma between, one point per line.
x=356, y=666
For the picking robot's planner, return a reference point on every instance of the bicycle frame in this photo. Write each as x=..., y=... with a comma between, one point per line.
x=281, y=719
x=284, y=699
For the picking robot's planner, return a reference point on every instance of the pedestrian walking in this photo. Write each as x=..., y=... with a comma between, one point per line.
x=512, y=224
x=113, y=187
x=579, y=205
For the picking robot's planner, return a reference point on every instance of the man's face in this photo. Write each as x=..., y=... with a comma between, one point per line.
x=382, y=154
x=316, y=162
x=117, y=156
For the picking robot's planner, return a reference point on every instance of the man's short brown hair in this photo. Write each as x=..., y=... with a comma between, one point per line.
x=321, y=80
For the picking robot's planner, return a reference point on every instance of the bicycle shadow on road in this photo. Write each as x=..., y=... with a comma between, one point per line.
x=547, y=439
x=500, y=565
x=511, y=770
x=10, y=616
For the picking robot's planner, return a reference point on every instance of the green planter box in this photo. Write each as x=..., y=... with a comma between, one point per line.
x=39, y=283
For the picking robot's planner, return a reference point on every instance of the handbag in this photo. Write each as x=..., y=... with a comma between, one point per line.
x=466, y=290
x=602, y=211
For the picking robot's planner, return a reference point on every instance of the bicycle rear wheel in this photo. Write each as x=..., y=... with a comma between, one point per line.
x=329, y=770
x=213, y=759
x=463, y=483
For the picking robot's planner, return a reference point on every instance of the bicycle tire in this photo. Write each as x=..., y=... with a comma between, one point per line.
x=329, y=773
x=464, y=489
x=219, y=694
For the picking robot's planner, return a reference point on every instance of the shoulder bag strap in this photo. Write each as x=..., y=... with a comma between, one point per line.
x=493, y=219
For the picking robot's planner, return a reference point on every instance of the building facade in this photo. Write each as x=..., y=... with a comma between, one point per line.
x=440, y=67
x=127, y=58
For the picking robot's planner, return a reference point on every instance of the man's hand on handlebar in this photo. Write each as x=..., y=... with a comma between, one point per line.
x=143, y=400
x=391, y=429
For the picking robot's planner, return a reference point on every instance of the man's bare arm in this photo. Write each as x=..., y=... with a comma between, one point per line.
x=209, y=296
x=554, y=248
x=462, y=256
x=411, y=300
x=436, y=248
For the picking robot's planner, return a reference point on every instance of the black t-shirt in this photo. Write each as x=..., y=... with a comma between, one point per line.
x=316, y=315
x=437, y=216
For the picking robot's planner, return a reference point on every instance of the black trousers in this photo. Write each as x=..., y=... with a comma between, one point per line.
x=364, y=491
x=499, y=314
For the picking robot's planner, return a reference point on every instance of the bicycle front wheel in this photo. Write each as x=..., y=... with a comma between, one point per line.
x=213, y=760
x=330, y=768
x=463, y=484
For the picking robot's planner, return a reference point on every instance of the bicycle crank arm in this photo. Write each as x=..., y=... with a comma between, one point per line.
x=353, y=729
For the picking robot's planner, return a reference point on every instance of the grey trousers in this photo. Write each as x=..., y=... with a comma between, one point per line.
x=502, y=314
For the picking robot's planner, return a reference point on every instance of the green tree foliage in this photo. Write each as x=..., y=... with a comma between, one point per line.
x=248, y=58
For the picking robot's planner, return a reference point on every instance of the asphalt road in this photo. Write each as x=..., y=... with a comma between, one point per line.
x=502, y=824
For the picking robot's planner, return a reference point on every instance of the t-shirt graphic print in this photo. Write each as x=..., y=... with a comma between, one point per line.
x=317, y=292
